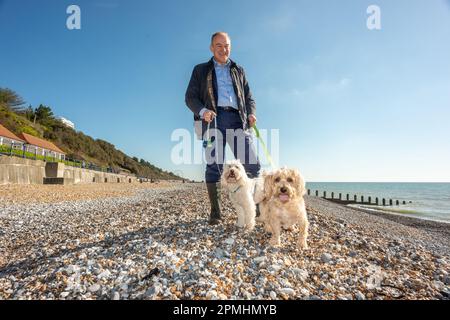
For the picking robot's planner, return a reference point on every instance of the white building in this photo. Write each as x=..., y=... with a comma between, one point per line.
x=68, y=123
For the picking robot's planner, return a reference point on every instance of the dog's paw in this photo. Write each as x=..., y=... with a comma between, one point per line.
x=239, y=225
x=302, y=245
x=267, y=228
x=250, y=227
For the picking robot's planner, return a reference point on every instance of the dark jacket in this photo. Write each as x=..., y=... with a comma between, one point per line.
x=202, y=93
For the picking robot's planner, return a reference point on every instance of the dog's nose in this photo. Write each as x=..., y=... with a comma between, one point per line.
x=283, y=190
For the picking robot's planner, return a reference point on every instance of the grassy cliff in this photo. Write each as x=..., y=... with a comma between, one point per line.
x=41, y=123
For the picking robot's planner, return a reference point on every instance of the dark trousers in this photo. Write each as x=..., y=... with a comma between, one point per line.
x=229, y=124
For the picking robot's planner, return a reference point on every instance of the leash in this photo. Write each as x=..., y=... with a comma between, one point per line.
x=208, y=138
x=258, y=136
x=209, y=143
x=266, y=152
x=216, y=152
x=236, y=189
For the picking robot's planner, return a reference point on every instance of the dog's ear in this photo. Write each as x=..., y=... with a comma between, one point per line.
x=268, y=184
x=223, y=180
x=241, y=167
x=299, y=182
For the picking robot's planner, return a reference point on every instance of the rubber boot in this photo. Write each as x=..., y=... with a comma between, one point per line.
x=214, y=199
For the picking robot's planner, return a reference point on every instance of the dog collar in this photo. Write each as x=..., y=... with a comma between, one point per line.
x=236, y=189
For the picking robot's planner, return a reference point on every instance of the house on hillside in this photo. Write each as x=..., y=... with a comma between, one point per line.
x=42, y=147
x=8, y=138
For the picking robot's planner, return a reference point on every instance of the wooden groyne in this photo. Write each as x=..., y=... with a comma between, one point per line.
x=354, y=200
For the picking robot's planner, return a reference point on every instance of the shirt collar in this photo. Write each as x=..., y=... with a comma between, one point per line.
x=216, y=64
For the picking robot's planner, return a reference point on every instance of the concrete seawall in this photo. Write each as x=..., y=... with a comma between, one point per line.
x=15, y=170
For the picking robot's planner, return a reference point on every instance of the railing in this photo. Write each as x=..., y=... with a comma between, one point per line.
x=12, y=150
x=348, y=200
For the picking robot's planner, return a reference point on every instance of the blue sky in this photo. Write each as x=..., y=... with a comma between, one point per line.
x=351, y=104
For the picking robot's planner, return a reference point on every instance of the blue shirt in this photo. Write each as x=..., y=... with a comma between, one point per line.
x=226, y=97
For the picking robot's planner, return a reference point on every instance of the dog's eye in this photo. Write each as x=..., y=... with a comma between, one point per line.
x=277, y=179
x=289, y=179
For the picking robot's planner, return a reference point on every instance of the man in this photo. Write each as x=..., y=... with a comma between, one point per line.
x=218, y=93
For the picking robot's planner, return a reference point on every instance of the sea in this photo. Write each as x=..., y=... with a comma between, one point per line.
x=429, y=201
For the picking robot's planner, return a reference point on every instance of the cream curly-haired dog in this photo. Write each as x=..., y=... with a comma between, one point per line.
x=240, y=188
x=283, y=205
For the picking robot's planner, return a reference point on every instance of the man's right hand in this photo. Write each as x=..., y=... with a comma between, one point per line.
x=209, y=116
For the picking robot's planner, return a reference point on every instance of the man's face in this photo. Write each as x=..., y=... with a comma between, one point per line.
x=221, y=48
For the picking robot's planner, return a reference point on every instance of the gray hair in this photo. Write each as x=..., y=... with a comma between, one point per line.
x=219, y=32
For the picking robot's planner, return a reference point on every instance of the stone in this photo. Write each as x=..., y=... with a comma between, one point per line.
x=446, y=292
x=153, y=291
x=360, y=296
x=211, y=295
x=229, y=241
x=94, y=288
x=326, y=258
x=300, y=274
x=276, y=267
x=72, y=269
x=104, y=274
x=288, y=291
x=218, y=253
x=258, y=260
x=247, y=295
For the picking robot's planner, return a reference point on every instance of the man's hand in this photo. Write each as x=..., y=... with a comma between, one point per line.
x=251, y=120
x=209, y=115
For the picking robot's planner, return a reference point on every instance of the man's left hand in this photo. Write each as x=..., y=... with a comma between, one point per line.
x=251, y=120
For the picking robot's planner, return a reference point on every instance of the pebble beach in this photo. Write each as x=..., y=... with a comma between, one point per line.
x=152, y=241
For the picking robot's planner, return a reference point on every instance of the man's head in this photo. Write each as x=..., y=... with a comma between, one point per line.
x=221, y=46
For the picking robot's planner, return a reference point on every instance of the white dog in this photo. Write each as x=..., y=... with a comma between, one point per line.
x=240, y=188
x=283, y=205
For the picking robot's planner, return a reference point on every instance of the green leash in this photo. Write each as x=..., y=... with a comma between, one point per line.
x=266, y=152
x=208, y=138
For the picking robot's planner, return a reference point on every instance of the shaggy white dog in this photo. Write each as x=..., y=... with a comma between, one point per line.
x=283, y=205
x=240, y=188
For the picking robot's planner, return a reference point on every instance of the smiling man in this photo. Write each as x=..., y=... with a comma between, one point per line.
x=218, y=93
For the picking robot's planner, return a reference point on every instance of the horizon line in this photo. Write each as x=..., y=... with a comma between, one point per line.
x=377, y=181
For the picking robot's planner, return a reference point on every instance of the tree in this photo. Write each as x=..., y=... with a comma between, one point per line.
x=11, y=100
x=44, y=114
x=29, y=113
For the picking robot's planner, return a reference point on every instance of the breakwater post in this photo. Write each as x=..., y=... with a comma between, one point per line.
x=355, y=199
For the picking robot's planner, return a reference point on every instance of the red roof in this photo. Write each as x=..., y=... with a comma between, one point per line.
x=8, y=134
x=35, y=141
